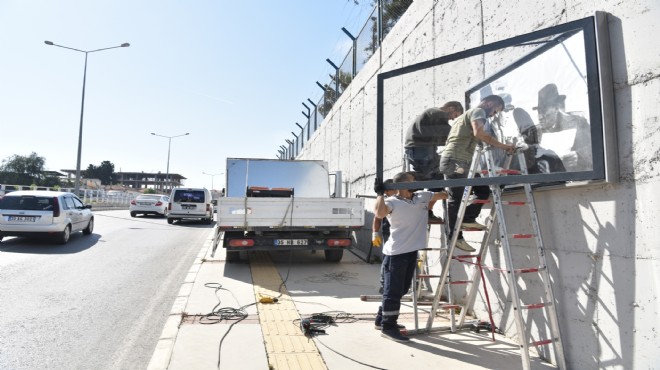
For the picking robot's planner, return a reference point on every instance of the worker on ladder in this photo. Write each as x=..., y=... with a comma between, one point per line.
x=467, y=131
x=423, y=137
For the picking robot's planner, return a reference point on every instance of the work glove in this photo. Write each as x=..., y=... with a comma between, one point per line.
x=376, y=239
x=379, y=188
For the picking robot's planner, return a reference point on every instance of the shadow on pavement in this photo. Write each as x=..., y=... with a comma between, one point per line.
x=77, y=243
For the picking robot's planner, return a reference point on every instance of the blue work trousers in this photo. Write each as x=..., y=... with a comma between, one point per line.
x=398, y=274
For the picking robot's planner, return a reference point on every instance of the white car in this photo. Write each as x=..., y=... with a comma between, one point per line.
x=190, y=203
x=149, y=204
x=53, y=214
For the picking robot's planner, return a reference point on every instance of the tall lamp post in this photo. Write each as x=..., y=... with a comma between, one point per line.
x=169, y=144
x=82, y=105
x=212, y=176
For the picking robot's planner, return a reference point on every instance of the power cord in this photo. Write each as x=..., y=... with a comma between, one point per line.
x=218, y=314
x=224, y=313
x=316, y=324
x=349, y=358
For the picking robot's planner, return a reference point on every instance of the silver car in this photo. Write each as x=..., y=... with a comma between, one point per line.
x=149, y=204
x=51, y=214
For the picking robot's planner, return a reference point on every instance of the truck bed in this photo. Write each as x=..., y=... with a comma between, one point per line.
x=289, y=212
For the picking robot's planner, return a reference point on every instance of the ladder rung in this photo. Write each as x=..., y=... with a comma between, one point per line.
x=465, y=256
x=433, y=249
x=436, y=222
x=513, y=203
x=522, y=236
x=502, y=171
x=542, y=342
x=460, y=282
x=430, y=303
x=531, y=269
x=533, y=306
x=480, y=201
x=428, y=276
x=450, y=306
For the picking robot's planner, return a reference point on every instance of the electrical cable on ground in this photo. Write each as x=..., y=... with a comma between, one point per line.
x=349, y=358
x=316, y=324
x=224, y=313
x=312, y=325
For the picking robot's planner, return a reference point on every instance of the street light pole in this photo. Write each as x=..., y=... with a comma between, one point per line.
x=169, y=144
x=82, y=105
x=212, y=176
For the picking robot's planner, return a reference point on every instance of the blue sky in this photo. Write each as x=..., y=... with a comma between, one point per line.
x=231, y=73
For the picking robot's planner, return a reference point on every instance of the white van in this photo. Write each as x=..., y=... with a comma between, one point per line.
x=190, y=203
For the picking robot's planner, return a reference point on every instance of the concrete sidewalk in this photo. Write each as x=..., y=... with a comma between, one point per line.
x=310, y=285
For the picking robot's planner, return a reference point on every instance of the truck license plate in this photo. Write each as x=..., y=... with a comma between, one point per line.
x=290, y=241
x=187, y=206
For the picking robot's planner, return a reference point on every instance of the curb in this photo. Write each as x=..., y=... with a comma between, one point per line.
x=160, y=360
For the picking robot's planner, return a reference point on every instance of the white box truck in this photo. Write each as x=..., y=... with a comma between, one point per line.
x=275, y=205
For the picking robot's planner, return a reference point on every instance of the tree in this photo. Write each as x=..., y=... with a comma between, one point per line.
x=328, y=100
x=105, y=172
x=329, y=97
x=23, y=170
x=393, y=10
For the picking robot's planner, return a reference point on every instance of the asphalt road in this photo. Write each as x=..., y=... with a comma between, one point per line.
x=98, y=302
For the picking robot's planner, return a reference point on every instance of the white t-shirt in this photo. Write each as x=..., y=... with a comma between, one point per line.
x=408, y=223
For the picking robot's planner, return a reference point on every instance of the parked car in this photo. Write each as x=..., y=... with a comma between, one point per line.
x=149, y=204
x=41, y=213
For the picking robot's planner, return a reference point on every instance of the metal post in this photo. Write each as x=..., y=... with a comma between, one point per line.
x=336, y=77
x=76, y=186
x=354, y=70
x=167, y=174
x=315, y=113
x=380, y=23
x=169, y=144
x=212, y=176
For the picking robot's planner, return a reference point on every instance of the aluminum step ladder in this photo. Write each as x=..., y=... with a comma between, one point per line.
x=512, y=273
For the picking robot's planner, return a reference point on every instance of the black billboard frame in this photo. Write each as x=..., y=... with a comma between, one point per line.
x=600, y=97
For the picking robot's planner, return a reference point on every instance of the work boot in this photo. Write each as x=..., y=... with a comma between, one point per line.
x=379, y=326
x=464, y=246
x=395, y=335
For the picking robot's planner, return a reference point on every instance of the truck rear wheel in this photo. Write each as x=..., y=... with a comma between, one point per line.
x=333, y=255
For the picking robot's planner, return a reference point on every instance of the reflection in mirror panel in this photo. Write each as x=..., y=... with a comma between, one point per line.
x=309, y=179
x=547, y=107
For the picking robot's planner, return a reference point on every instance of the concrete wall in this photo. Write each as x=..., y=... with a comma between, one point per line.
x=602, y=247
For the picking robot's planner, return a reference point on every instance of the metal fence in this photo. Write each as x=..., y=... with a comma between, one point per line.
x=382, y=18
x=88, y=196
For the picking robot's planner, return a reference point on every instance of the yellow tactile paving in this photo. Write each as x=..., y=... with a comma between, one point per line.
x=286, y=345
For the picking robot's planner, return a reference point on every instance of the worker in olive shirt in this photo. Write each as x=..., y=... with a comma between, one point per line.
x=423, y=137
x=467, y=131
